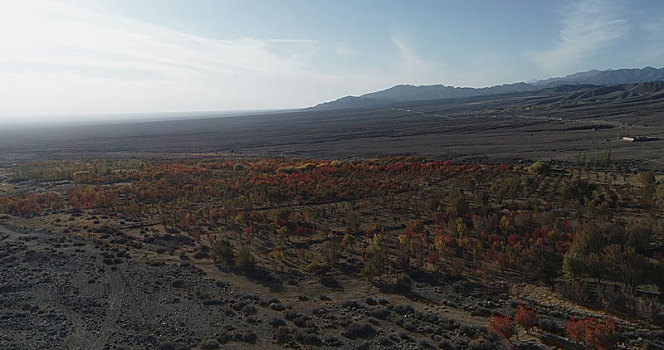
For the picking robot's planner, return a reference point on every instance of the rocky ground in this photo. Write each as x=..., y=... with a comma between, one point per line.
x=59, y=291
x=62, y=291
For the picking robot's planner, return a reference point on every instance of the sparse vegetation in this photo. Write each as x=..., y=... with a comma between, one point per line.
x=385, y=219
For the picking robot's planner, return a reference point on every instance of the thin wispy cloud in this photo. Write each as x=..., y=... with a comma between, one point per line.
x=411, y=67
x=343, y=49
x=78, y=57
x=58, y=58
x=587, y=27
x=81, y=61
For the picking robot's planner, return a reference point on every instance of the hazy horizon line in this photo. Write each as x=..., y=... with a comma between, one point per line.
x=119, y=118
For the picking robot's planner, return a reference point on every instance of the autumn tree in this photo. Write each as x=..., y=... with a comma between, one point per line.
x=593, y=333
x=502, y=325
x=525, y=317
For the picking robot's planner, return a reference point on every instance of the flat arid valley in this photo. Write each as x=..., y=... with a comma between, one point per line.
x=527, y=215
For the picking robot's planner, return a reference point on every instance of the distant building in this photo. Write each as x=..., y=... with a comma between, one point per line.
x=637, y=138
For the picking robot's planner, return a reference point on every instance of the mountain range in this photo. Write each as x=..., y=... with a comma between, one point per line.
x=577, y=81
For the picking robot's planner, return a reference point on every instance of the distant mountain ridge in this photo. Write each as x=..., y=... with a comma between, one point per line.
x=410, y=93
x=607, y=77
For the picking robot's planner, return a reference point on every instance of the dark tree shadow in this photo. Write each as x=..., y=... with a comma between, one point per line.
x=263, y=277
x=331, y=283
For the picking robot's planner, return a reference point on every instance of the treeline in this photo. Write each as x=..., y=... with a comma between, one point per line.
x=96, y=170
x=602, y=160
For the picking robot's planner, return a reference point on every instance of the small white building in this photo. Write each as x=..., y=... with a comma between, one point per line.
x=639, y=138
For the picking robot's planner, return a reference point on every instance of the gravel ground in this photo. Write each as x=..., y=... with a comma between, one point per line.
x=64, y=292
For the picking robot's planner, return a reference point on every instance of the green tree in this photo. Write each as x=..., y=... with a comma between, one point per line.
x=638, y=236
x=539, y=167
x=458, y=207
x=375, y=266
x=582, y=259
x=223, y=251
x=245, y=259
x=648, y=187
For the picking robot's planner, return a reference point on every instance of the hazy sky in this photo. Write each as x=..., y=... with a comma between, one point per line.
x=119, y=56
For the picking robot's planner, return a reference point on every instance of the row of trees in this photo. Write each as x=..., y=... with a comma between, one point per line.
x=593, y=333
x=32, y=205
x=603, y=251
x=95, y=171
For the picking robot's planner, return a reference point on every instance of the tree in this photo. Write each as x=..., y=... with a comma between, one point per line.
x=348, y=241
x=603, y=335
x=595, y=334
x=576, y=329
x=660, y=196
x=245, y=259
x=578, y=190
x=648, y=187
x=582, y=257
x=502, y=326
x=539, y=168
x=223, y=251
x=625, y=265
x=543, y=262
x=375, y=266
x=458, y=207
x=525, y=317
x=606, y=158
x=638, y=236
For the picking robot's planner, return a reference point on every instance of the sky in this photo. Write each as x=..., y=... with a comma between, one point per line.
x=76, y=58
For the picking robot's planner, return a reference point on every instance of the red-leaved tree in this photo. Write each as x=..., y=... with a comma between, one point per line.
x=502, y=326
x=594, y=333
x=576, y=329
x=525, y=317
